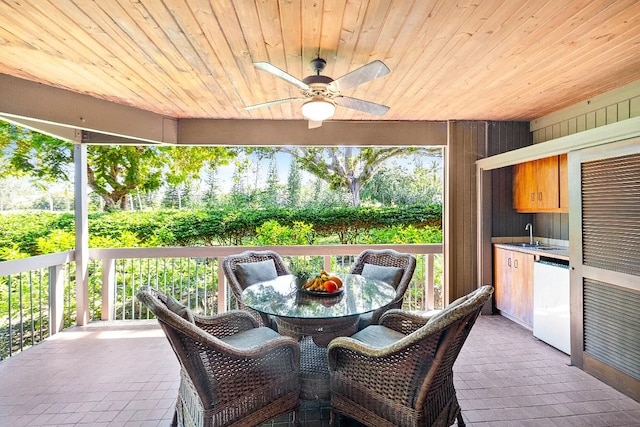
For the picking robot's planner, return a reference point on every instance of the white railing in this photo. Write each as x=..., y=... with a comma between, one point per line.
x=37, y=294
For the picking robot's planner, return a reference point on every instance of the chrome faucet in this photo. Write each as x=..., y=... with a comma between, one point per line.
x=530, y=228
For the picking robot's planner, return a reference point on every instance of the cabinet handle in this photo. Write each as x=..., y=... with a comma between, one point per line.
x=509, y=262
x=540, y=196
x=515, y=263
x=533, y=197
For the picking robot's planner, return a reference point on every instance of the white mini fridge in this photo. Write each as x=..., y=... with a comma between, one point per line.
x=551, y=313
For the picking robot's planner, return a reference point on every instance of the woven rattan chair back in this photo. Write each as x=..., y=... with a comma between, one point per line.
x=387, y=258
x=222, y=384
x=229, y=266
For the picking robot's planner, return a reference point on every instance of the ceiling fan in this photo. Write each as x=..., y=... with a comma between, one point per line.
x=321, y=94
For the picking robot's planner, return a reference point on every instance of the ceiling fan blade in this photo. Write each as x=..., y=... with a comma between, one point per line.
x=271, y=103
x=314, y=124
x=368, y=72
x=270, y=68
x=361, y=105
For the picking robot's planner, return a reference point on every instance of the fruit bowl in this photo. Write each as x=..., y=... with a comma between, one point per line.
x=324, y=284
x=322, y=293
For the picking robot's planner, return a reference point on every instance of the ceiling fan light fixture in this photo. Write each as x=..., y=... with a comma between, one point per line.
x=318, y=110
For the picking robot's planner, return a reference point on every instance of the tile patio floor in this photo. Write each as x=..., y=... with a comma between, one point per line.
x=125, y=374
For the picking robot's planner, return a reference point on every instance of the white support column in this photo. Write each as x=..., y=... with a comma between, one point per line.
x=82, y=234
x=56, y=299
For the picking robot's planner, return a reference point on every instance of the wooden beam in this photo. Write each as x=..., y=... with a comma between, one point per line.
x=25, y=100
x=296, y=132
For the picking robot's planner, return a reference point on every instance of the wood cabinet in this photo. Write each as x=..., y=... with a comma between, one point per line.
x=537, y=186
x=513, y=285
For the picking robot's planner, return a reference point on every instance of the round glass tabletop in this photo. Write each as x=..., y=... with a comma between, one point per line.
x=282, y=297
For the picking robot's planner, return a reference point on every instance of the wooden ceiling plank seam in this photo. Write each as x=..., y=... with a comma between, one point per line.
x=311, y=27
x=33, y=51
x=496, y=84
x=62, y=75
x=234, y=53
x=458, y=46
x=142, y=27
x=554, y=55
x=125, y=34
x=220, y=48
x=563, y=66
x=269, y=15
x=247, y=15
x=395, y=24
x=95, y=49
x=291, y=11
x=374, y=19
x=414, y=78
x=493, y=29
x=485, y=59
x=442, y=42
x=113, y=38
x=351, y=26
x=212, y=76
x=333, y=13
x=195, y=69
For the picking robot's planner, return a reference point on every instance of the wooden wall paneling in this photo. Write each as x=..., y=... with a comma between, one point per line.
x=467, y=143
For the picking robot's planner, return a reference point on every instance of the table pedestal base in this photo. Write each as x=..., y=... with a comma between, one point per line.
x=321, y=330
x=314, y=371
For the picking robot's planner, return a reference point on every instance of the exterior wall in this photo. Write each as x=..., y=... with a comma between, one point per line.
x=611, y=107
x=467, y=143
x=503, y=137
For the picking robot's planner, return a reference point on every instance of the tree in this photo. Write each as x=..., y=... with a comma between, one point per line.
x=113, y=172
x=294, y=185
x=347, y=168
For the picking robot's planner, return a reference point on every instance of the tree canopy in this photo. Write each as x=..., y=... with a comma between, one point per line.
x=349, y=168
x=113, y=171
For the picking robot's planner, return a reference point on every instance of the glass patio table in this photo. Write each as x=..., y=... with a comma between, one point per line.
x=322, y=316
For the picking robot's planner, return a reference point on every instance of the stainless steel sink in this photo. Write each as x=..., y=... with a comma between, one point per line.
x=537, y=246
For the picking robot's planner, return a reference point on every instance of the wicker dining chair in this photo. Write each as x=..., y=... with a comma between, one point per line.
x=399, y=373
x=390, y=266
x=249, y=267
x=232, y=372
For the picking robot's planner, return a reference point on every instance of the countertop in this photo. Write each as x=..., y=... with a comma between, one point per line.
x=547, y=251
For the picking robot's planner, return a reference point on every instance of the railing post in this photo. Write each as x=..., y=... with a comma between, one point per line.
x=222, y=288
x=429, y=273
x=327, y=263
x=108, y=288
x=56, y=299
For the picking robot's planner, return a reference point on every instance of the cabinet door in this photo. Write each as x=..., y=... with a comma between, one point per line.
x=564, y=183
x=523, y=287
x=525, y=187
x=500, y=272
x=548, y=196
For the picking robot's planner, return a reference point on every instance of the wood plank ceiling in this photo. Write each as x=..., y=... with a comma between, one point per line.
x=464, y=59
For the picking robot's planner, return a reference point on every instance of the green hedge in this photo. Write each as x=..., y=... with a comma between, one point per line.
x=215, y=226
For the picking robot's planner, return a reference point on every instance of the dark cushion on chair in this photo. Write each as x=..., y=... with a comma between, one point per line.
x=179, y=309
x=389, y=275
x=251, y=338
x=254, y=272
x=378, y=336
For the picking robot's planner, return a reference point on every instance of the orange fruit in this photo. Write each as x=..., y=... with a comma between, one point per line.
x=337, y=280
x=330, y=286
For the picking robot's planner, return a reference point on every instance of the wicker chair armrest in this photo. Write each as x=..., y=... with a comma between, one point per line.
x=403, y=321
x=227, y=323
x=348, y=345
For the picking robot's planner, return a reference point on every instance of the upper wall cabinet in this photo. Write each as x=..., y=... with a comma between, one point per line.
x=537, y=185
